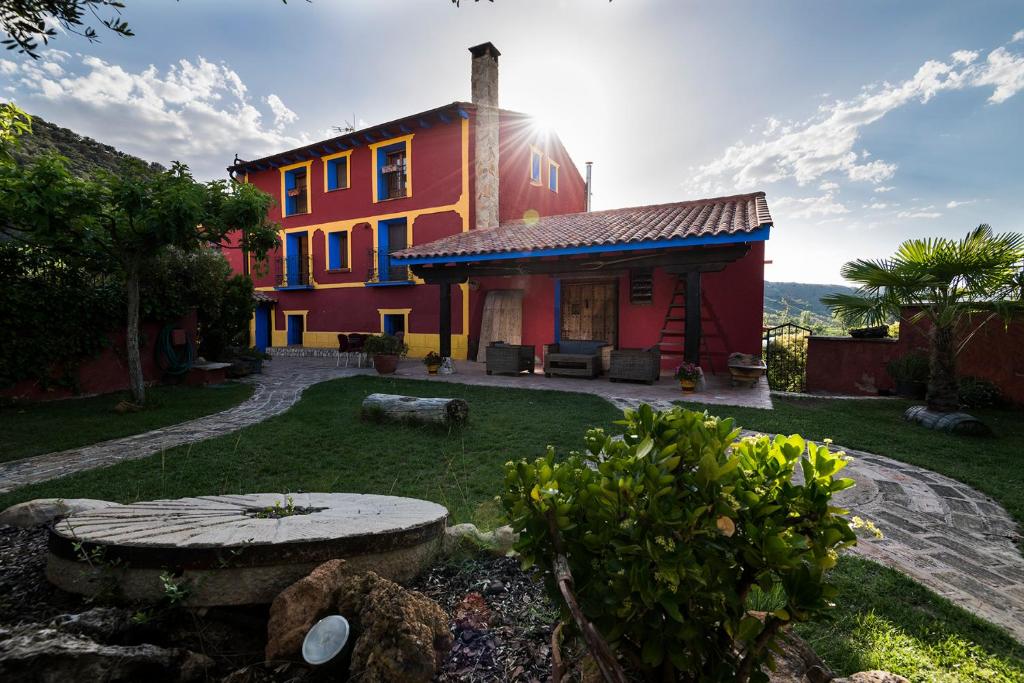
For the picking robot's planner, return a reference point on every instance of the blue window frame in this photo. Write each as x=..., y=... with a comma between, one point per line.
x=337, y=173
x=337, y=250
x=553, y=176
x=296, y=323
x=296, y=189
x=297, y=266
x=393, y=323
x=391, y=237
x=392, y=169
x=535, y=165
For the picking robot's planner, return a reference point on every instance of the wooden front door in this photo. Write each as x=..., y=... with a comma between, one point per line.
x=590, y=310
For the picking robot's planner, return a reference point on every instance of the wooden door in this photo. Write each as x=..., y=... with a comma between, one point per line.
x=502, y=320
x=590, y=310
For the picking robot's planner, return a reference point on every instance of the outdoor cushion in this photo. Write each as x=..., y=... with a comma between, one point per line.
x=580, y=346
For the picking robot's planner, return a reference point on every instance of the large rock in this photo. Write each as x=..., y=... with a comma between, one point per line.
x=872, y=677
x=102, y=624
x=47, y=655
x=44, y=510
x=796, y=662
x=401, y=636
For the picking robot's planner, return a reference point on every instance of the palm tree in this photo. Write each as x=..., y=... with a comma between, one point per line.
x=950, y=280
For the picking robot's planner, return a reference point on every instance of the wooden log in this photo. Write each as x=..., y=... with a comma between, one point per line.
x=954, y=423
x=392, y=407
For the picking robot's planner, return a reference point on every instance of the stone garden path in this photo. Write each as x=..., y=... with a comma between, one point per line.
x=277, y=389
x=943, y=533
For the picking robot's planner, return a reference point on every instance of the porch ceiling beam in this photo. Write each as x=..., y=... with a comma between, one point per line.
x=705, y=260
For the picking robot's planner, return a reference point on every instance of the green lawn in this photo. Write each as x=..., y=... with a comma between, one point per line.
x=991, y=465
x=883, y=620
x=33, y=429
x=321, y=445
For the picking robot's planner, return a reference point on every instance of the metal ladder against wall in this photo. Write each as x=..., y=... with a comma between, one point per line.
x=673, y=331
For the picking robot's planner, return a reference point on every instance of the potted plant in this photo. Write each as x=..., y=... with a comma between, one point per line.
x=385, y=351
x=688, y=375
x=433, y=361
x=910, y=375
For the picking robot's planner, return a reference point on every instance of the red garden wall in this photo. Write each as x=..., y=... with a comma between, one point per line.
x=845, y=365
x=108, y=371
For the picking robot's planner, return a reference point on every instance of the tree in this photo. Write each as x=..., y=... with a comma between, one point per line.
x=950, y=280
x=28, y=21
x=124, y=221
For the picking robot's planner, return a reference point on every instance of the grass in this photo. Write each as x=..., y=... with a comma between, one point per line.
x=884, y=620
x=320, y=444
x=990, y=464
x=37, y=428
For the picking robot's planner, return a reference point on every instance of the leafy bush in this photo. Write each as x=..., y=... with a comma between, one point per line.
x=913, y=367
x=385, y=344
x=668, y=530
x=786, y=361
x=979, y=393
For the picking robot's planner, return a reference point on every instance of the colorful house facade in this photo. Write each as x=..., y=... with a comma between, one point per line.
x=468, y=223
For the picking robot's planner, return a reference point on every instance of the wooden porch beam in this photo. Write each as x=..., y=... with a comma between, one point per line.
x=445, y=323
x=691, y=330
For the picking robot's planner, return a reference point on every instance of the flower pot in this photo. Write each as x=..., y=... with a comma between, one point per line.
x=432, y=369
x=385, y=363
x=687, y=384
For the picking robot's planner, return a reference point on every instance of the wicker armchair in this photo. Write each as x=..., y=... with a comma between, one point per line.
x=639, y=365
x=576, y=358
x=509, y=359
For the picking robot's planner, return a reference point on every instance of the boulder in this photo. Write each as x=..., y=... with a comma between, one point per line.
x=872, y=677
x=45, y=510
x=796, y=662
x=47, y=655
x=401, y=635
x=102, y=624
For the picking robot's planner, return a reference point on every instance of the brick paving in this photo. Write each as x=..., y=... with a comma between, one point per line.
x=944, y=534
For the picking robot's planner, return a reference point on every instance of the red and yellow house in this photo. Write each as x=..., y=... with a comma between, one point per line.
x=467, y=221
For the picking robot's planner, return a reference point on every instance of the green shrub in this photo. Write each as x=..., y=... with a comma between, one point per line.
x=979, y=393
x=385, y=344
x=786, y=361
x=668, y=530
x=913, y=367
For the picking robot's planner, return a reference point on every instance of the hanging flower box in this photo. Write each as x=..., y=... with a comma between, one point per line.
x=296, y=192
x=391, y=168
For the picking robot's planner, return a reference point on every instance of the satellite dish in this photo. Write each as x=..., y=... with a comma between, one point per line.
x=325, y=640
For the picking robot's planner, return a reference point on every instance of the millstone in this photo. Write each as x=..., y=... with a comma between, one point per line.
x=236, y=550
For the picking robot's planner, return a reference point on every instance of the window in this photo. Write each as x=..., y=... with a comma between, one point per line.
x=393, y=323
x=535, y=165
x=552, y=176
x=297, y=272
x=296, y=190
x=641, y=286
x=392, y=164
x=337, y=250
x=336, y=175
x=391, y=237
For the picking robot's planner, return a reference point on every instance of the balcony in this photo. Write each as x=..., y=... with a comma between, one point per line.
x=294, y=272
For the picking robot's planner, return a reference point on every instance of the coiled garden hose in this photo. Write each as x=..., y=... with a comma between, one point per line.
x=173, y=363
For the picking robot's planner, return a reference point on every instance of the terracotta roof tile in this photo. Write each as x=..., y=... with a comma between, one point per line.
x=699, y=218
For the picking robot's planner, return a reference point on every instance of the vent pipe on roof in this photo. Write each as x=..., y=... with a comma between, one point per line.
x=590, y=164
x=484, y=85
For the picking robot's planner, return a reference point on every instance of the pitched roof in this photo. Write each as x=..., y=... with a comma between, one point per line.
x=630, y=228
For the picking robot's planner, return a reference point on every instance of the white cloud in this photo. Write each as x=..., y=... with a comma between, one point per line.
x=954, y=203
x=808, y=207
x=919, y=213
x=884, y=188
x=198, y=112
x=878, y=205
x=826, y=143
x=1018, y=36
x=829, y=186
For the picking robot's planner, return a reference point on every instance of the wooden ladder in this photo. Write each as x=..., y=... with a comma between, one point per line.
x=672, y=342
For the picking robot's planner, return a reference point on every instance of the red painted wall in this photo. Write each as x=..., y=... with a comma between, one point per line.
x=108, y=371
x=844, y=365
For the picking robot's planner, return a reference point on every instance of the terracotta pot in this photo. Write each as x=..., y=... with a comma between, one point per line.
x=432, y=369
x=385, y=363
x=687, y=384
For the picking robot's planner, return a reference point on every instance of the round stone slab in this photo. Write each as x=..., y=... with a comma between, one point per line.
x=236, y=550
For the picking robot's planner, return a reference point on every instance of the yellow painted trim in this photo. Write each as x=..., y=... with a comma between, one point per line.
x=284, y=243
x=309, y=187
x=558, y=174
x=284, y=332
x=540, y=167
x=420, y=344
x=407, y=139
x=404, y=312
x=348, y=170
x=348, y=246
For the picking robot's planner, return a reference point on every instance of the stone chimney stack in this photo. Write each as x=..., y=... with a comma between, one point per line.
x=485, y=97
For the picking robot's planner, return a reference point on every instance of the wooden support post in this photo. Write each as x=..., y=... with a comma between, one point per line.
x=445, y=323
x=691, y=346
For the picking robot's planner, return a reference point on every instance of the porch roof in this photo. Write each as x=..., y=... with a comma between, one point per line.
x=720, y=220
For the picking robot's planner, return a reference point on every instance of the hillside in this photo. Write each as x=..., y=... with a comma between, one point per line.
x=84, y=155
x=787, y=301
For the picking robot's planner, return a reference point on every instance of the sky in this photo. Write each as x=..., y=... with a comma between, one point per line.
x=866, y=123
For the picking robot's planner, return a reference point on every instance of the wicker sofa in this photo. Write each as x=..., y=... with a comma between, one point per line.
x=576, y=358
x=509, y=359
x=638, y=365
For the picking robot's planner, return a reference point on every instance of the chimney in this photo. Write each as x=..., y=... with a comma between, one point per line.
x=589, y=187
x=485, y=97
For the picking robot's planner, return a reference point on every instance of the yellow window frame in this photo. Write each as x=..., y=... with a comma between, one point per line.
x=309, y=188
x=407, y=139
x=348, y=169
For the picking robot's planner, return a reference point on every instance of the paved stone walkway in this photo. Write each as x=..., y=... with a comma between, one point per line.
x=276, y=390
x=946, y=535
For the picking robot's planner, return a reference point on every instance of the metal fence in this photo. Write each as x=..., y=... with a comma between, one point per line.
x=785, y=354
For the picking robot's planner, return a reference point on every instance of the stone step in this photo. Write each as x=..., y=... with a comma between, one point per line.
x=301, y=352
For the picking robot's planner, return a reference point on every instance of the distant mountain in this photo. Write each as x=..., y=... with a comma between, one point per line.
x=787, y=301
x=84, y=155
